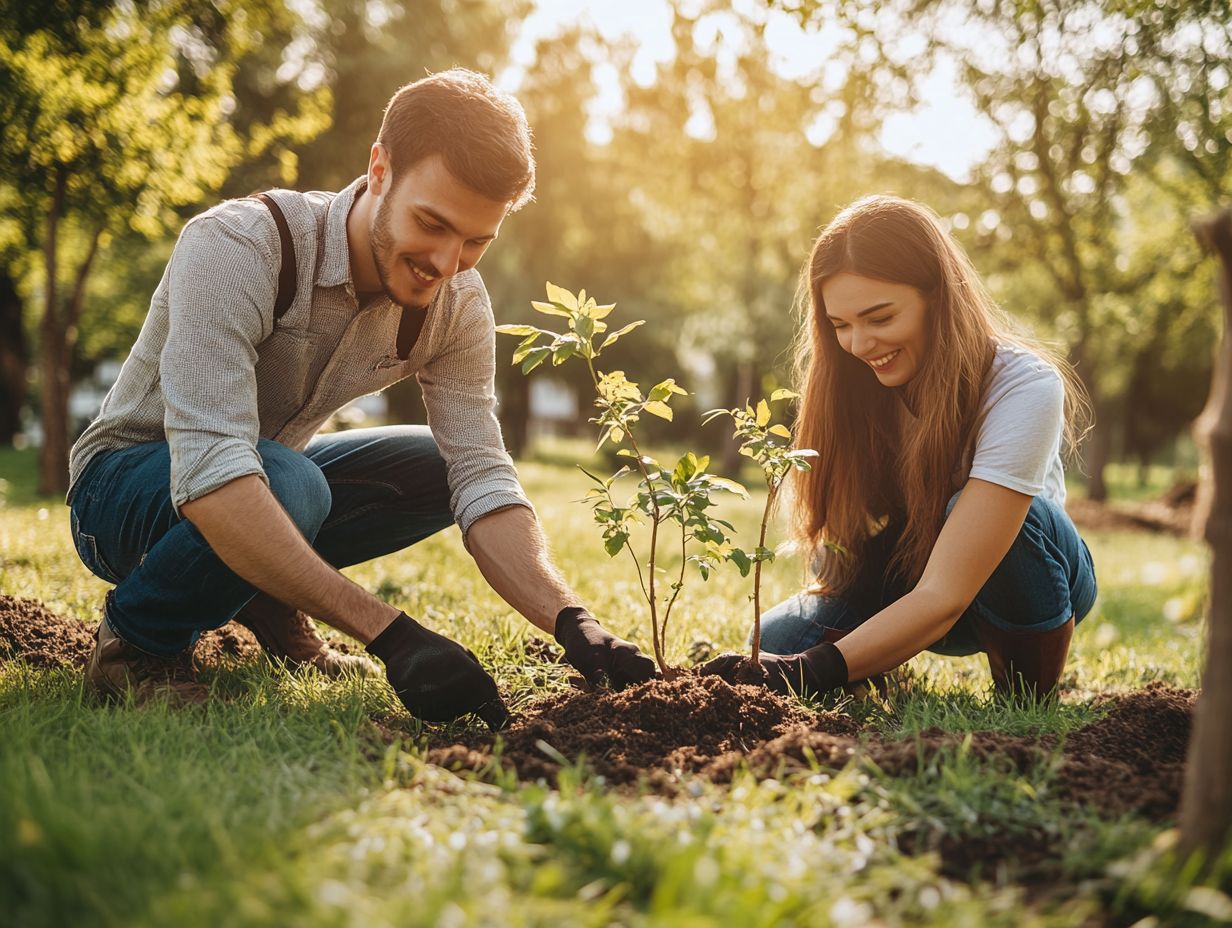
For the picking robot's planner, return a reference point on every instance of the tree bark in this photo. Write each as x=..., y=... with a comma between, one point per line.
x=14, y=358
x=1206, y=806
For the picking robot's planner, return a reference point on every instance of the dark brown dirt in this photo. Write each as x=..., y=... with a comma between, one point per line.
x=1130, y=761
x=30, y=632
x=658, y=730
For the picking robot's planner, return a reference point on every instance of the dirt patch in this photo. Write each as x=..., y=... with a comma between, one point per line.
x=31, y=632
x=1171, y=513
x=658, y=730
x=1130, y=761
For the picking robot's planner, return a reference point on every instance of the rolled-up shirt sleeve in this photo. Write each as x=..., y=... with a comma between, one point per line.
x=221, y=292
x=459, y=391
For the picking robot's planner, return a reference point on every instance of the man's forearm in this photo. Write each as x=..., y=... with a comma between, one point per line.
x=253, y=535
x=511, y=552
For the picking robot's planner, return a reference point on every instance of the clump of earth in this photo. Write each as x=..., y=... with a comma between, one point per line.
x=31, y=632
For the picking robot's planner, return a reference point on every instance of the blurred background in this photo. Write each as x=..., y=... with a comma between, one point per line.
x=689, y=152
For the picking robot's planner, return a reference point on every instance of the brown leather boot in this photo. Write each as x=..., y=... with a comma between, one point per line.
x=1024, y=663
x=290, y=636
x=117, y=668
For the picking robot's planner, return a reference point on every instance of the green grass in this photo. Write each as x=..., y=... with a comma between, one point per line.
x=282, y=804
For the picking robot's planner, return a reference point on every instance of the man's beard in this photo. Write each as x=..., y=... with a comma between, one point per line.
x=381, y=243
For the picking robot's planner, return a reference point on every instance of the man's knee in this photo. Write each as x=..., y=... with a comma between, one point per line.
x=298, y=484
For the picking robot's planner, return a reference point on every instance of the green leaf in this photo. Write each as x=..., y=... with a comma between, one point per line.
x=763, y=413
x=781, y=430
x=518, y=330
x=563, y=353
x=611, y=339
x=551, y=309
x=662, y=410
x=534, y=358
x=730, y=486
x=666, y=388
x=685, y=468
x=584, y=326
x=783, y=395
x=614, y=542
x=741, y=560
x=801, y=453
x=601, y=312
x=562, y=296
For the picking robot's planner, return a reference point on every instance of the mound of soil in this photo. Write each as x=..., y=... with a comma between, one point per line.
x=1132, y=760
x=30, y=632
x=658, y=730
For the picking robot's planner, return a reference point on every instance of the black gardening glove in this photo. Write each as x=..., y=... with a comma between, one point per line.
x=813, y=673
x=436, y=679
x=601, y=657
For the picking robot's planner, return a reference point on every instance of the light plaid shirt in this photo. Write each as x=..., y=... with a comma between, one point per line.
x=211, y=371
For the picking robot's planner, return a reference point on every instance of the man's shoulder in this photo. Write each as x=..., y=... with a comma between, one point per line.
x=467, y=292
x=250, y=218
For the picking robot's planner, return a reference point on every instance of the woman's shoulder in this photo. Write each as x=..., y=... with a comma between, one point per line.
x=1018, y=370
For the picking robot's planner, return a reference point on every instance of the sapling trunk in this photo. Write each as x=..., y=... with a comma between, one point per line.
x=755, y=651
x=649, y=586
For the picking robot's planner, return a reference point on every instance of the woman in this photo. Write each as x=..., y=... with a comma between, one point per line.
x=937, y=499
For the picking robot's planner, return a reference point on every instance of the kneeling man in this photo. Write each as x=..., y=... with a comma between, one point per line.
x=202, y=490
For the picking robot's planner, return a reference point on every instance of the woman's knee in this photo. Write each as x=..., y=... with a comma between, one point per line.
x=298, y=484
x=798, y=623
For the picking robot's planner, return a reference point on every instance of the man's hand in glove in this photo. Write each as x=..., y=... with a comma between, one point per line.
x=601, y=657
x=437, y=679
x=812, y=673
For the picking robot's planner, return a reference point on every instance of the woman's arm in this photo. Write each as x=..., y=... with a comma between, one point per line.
x=976, y=536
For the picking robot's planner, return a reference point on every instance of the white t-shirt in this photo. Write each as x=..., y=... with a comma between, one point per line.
x=1018, y=444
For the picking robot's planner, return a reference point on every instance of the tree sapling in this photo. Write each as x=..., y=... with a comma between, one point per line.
x=681, y=495
x=757, y=434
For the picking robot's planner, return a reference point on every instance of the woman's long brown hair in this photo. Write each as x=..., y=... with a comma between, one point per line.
x=889, y=455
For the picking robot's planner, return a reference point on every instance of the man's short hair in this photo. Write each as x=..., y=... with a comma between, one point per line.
x=479, y=131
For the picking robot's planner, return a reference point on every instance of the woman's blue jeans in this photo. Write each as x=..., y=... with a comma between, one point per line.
x=354, y=495
x=1046, y=577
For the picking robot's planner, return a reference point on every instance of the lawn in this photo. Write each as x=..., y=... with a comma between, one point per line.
x=284, y=802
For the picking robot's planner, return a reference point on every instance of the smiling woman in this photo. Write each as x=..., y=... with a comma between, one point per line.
x=936, y=506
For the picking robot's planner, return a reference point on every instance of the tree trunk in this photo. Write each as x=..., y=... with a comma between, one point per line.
x=58, y=341
x=1206, y=806
x=14, y=358
x=53, y=393
x=743, y=383
x=515, y=415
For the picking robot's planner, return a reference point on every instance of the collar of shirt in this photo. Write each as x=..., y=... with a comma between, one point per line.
x=336, y=264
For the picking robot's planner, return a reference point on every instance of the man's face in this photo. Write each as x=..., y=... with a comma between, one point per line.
x=427, y=227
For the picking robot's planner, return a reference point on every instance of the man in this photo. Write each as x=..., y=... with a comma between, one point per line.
x=200, y=489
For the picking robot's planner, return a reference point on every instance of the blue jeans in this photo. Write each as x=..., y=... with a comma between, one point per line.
x=1046, y=577
x=354, y=495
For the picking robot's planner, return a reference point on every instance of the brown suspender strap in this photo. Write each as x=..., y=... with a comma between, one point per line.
x=286, y=273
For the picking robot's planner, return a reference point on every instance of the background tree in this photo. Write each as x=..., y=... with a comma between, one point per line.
x=1206, y=805
x=114, y=114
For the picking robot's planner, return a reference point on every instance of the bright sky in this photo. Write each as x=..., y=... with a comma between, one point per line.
x=946, y=132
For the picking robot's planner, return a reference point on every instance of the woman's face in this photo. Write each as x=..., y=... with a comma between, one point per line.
x=880, y=323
